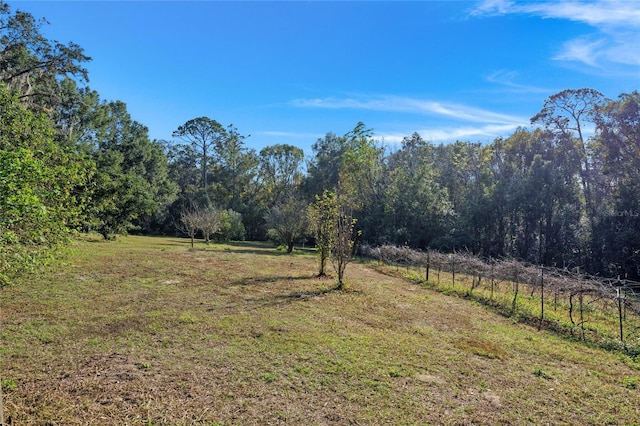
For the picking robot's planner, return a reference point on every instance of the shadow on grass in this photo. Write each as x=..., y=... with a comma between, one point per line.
x=173, y=243
x=257, y=248
x=281, y=299
x=270, y=279
x=285, y=299
x=271, y=251
x=246, y=247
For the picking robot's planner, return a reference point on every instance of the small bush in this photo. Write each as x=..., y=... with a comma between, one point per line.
x=631, y=382
x=9, y=385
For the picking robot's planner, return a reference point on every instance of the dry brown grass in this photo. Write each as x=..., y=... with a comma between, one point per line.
x=147, y=331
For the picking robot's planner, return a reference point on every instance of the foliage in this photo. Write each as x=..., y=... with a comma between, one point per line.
x=566, y=113
x=280, y=172
x=360, y=168
x=321, y=220
x=40, y=189
x=232, y=226
x=203, y=134
x=324, y=167
x=525, y=196
x=335, y=233
x=33, y=67
x=344, y=239
x=417, y=208
x=132, y=177
x=616, y=239
x=287, y=221
x=225, y=164
x=235, y=186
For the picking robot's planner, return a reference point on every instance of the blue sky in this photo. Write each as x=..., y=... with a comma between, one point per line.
x=289, y=72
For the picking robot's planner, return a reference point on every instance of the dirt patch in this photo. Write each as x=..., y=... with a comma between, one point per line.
x=430, y=379
x=112, y=368
x=493, y=398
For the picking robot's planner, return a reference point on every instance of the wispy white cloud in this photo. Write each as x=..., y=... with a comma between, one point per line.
x=617, y=13
x=296, y=135
x=451, y=121
x=617, y=22
x=508, y=79
x=448, y=134
x=583, y=50
x=452, y=133
x=492, y=8
x=414, y=106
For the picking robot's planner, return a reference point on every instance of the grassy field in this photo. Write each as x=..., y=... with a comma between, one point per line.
x=146, y=331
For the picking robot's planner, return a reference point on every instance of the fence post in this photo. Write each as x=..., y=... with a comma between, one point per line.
x=453, y=270
x=516, y=287
x=580, y=297
x=619, y=297
x=624, y=304
x=1, y=405
x=428, y=265
x=541, y=297
x=492, y=282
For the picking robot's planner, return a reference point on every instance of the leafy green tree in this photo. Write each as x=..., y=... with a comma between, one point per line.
x=334, y=228
x=235, y=169
x=461, y=170
x=286, y=221
x=416, y=206
x=616, y=236
x=132, y=178
x=203, y=134
x=539, y=192
x=230, y=173
x=41, y=189
x=232, y=226
x=344, y=241
x=280, y=171
x=566, y=114
x=618, y=135
x=321, y=216
x=235, y=185
x=183, y=166
x=361, y=185
x=72, y=115
x=32, y=66
x=361, y=168
x=324, y=168
x=184, y=171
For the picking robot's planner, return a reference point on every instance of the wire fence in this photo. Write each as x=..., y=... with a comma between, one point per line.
x=602, y=310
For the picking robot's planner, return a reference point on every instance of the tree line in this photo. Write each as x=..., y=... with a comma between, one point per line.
x=565, y=193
